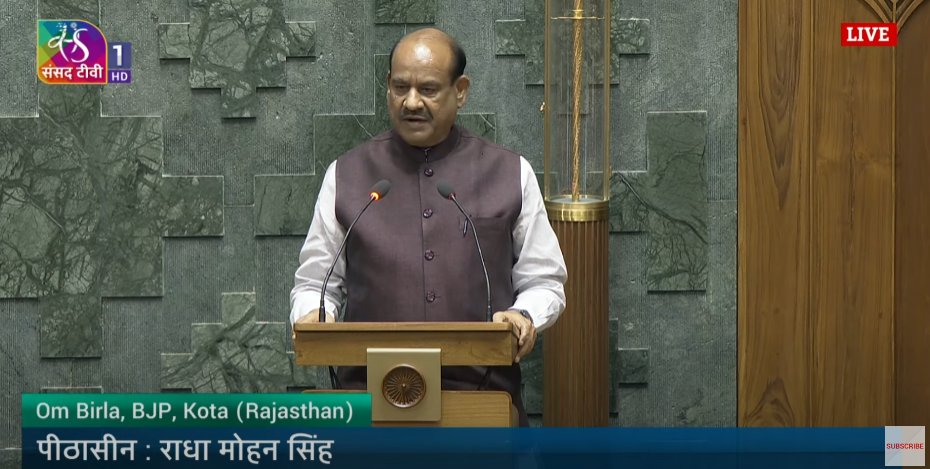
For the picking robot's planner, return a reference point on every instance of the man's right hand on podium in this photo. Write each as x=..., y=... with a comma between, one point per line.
x=314, y=316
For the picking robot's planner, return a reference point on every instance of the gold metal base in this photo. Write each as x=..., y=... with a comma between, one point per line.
x=589, y=209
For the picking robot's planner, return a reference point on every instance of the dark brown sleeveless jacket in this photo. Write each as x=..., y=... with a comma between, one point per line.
x=407, y=258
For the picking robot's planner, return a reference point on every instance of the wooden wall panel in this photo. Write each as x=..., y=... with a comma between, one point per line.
x=912, y=220
x=774, y=213
x=852, y=230
x=834, y=224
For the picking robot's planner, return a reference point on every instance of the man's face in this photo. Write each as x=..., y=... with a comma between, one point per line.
x=422, y=99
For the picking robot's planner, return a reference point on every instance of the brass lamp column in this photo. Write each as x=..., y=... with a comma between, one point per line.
x=576, y=190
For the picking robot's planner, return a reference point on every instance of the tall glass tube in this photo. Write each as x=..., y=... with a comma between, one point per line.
x=576, y=364
x=577, y=107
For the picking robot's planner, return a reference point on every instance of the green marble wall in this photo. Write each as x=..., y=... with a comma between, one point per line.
x=149, y=232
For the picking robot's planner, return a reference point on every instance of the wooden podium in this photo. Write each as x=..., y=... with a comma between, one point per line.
x=404, y=361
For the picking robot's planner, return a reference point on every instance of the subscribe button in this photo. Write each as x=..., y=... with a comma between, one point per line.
x=905, y=446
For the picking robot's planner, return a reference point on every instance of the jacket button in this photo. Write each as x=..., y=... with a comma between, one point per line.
x=429, y=254
x=427, y=213
x=428, y=172
x=430, y=297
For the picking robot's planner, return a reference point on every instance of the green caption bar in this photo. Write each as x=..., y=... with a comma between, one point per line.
x=197, y=410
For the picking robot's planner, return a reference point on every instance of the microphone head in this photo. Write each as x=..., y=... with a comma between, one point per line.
x=380, y=189
x=445, y=189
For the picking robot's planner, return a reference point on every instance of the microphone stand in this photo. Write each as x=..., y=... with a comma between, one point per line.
x=484, y=268
x=446, y=191
x=379, y=190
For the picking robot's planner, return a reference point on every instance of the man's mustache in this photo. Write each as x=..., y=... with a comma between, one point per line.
x=421, y=115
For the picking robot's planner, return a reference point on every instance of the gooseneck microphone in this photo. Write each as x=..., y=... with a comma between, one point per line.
x=379, y=190
x=447, y=192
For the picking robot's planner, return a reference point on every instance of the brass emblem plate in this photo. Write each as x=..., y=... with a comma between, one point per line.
x=403, y=386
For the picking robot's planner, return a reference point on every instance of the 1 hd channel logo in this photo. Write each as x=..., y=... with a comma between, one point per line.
x=76, y=52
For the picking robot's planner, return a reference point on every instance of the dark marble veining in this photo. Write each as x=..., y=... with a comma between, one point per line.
x=669, y=201
x=83, y=209
x=405, y=11
x=239, y=355
x=237, y=46
x=284, y=204
x=633, y=366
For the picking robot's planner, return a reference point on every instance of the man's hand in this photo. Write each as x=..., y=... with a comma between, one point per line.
x=525, y=330
x=313, y=317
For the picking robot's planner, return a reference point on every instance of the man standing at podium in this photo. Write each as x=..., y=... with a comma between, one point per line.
x=412, y=257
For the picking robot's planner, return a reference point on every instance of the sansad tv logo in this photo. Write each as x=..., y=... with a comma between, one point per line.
x=71, y=51
x=76, y=52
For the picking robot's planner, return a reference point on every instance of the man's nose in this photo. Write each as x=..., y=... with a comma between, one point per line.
x=413, y=101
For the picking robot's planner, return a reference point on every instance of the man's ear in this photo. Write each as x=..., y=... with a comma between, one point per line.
x=461, y=89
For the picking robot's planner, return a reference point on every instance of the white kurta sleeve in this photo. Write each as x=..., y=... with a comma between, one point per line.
x=539, y=273
x=316, y=255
